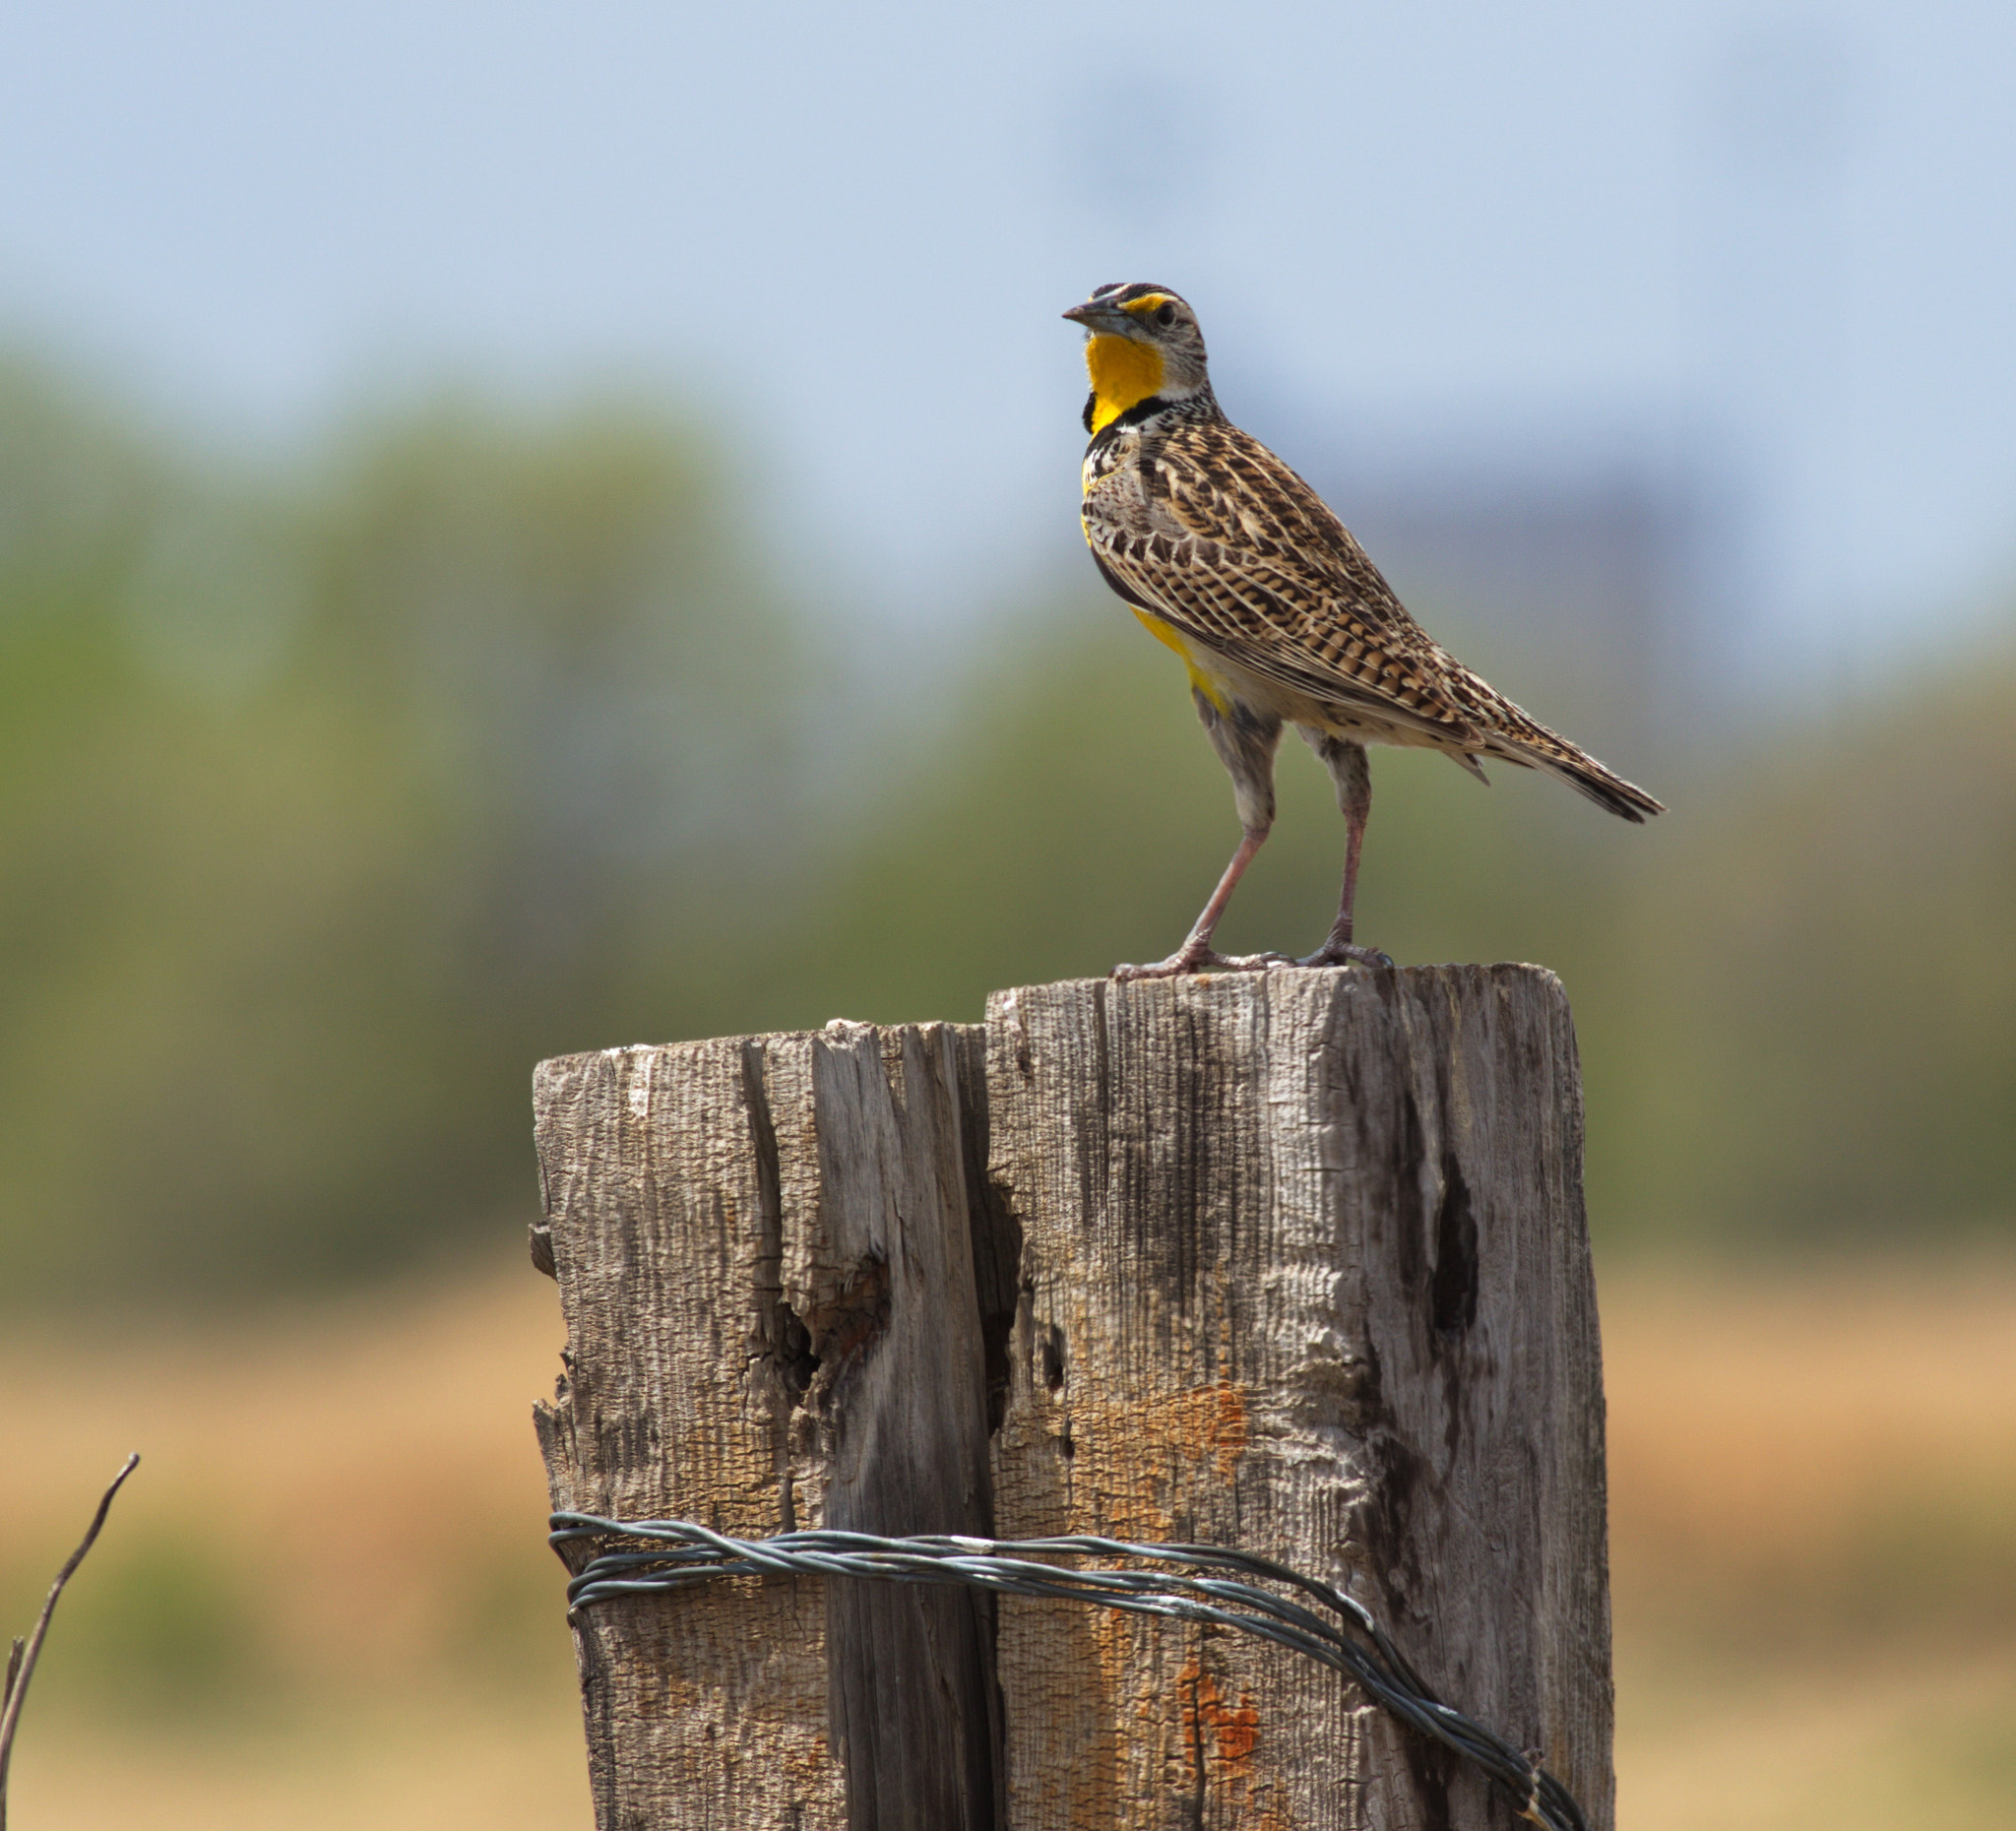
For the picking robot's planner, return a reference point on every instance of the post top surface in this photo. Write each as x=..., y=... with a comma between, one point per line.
x=1456, y=974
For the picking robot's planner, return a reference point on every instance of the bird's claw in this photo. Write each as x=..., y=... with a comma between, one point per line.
x=1345, y=954
x=1193, y=958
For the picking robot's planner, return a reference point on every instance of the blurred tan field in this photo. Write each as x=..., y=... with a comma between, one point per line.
x=1813, y=1544
x=324, y=1598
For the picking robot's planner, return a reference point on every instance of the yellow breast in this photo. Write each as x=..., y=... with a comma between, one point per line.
x=1124, y=372
x=1200, y=676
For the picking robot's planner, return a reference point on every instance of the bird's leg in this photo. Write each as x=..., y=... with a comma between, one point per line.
x=1196, y=953
x=1244, y=740
x=1351, y=771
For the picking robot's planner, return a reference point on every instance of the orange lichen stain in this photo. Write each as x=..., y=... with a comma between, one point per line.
x=1230, y=1428
x=1234, y=1730
x=1113, y=1642
x=1142, y=1517
x=1211, y=1425
x=1064, y=1664
x=1093, y=1783
x=1130, y=1471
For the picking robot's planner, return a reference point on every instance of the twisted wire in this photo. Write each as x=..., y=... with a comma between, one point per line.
x=681, y=1554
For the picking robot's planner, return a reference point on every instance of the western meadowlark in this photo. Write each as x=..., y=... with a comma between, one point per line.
x=1234, y=562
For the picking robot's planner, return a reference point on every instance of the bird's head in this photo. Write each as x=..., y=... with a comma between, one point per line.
x=1142, y=343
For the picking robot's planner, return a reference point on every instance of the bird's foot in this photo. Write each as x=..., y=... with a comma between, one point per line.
x=1335, y=953
x=1198, y=957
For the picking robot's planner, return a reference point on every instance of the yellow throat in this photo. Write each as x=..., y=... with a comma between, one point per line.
x=1124, y=372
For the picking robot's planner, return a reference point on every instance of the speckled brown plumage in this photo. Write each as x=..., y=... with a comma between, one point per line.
x=1201, y=525
x=1233, y=561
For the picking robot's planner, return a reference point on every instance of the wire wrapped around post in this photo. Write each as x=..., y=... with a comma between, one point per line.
x=677, y=1554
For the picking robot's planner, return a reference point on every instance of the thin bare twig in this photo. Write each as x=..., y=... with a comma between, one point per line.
x=20, y=1664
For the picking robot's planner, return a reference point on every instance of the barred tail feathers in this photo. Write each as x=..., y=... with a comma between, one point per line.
x=1585, y=776
x=1514, y=735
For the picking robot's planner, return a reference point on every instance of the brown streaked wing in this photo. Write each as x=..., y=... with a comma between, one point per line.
x=1198, y=606
x=1262, y=571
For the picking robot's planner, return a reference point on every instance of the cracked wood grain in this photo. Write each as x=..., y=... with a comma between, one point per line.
x=1304, y=1270
x=763, y=1252
x=1291, y=1261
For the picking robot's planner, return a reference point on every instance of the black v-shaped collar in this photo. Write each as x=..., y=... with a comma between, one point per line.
x=1133, y=416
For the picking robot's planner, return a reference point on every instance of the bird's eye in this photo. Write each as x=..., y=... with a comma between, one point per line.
x=1165, y=314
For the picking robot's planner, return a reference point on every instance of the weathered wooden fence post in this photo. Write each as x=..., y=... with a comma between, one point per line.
x=1291, y=1262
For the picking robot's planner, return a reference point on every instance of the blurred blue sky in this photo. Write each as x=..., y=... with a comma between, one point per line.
x=1783, y=240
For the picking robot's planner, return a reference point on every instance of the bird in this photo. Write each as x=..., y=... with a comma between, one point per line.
x=1230, y=559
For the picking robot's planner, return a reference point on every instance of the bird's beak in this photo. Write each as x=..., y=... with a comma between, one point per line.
x=1093, y=315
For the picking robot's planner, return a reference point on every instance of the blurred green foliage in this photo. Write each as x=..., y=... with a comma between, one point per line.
x=1794, y=991
x=329, y=801
x=165, y=1628
x=334, y=795
x=158, y=1623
